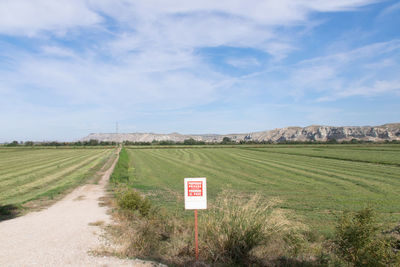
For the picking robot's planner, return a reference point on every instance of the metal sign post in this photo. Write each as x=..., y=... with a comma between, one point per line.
x=195, y=199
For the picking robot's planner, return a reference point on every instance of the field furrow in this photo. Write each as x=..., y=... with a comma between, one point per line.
x=45, y=172
x=315, y=187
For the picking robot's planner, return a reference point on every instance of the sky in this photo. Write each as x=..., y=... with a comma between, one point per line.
x=73, y=67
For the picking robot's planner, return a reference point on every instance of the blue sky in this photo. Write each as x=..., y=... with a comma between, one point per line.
x=72, y=67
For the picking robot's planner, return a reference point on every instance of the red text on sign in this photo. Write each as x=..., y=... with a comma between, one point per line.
x=195, y=188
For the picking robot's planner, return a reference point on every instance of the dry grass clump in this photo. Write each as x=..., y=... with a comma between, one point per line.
x=234, y=231
x=248, y=230
x=97, y=223
x=157, y=236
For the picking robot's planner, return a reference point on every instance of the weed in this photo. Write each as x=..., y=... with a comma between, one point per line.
x=97, y=223
x=358, y=241
x=239, y=230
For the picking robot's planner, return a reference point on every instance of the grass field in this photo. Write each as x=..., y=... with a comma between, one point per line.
x=30, y=173
x=315, y=183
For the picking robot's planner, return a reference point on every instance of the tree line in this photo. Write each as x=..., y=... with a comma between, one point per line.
x=188, y=142
x=91, y=142
x=229, y=141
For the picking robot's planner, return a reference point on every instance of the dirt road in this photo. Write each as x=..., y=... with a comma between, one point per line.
x=61, y=235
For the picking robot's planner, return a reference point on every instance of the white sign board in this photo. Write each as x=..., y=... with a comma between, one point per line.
x=195, y=193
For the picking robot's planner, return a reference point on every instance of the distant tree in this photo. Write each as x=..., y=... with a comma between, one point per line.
x=189, y=141
x=28, y=143
x=13, y=143
x=105, y=143
x=332, y=141
x=226, y=140
x=93, y=142
x=167, y=143
x=79, y=143
x=154, y=142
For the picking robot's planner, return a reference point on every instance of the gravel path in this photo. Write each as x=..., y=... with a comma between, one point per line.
x=61, y=235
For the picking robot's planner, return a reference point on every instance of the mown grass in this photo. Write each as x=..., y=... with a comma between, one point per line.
x=237, y=230
x=27, y=174
x=315, y=183
x=369, y=153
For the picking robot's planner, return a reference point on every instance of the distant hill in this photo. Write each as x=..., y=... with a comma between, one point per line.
x=310, y=133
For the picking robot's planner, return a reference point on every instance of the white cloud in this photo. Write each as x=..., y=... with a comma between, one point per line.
x=378, y=87
x=365, y=71
x=138, y=80
x=173, y=23
x=263, y=12
x=57, y=51
x=182, y=24
x=243, y=62
x=390, y=9
x=28, y=17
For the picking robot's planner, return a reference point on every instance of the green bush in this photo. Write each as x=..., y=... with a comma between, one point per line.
x=359, y=241
x=129, y=199
x=8, y=211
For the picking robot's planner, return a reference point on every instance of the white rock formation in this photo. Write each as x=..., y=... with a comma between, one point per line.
x=311, y=133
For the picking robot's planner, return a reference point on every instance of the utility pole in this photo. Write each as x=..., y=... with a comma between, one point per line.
x=116, y=127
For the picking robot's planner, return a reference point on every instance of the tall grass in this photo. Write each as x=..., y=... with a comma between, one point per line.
x=244, y=230
x=236, y=231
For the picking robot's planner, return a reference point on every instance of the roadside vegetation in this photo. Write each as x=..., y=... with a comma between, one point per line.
x=359, y=241
x=41, y=175
x=265, y=209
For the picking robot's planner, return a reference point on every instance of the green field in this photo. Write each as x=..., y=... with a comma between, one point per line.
x=30, y=173
x=314, y=182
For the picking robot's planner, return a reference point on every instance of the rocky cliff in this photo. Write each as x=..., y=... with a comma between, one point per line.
x=310, y=133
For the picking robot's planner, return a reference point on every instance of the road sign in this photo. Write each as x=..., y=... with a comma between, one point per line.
x=195, y=193
x=195, y=199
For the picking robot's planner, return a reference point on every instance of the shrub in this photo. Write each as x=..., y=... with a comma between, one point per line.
x=358, y=241
x=130, y=200
x=239, y=230
x=8, y=211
